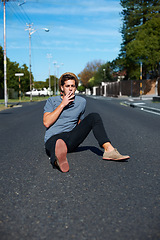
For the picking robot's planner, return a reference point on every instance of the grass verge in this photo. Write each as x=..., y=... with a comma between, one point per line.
x=24, y=99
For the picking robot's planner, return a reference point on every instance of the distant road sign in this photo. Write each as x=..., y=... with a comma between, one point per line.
x=19, y=74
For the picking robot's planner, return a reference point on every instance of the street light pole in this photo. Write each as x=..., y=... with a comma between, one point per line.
x=5, y=57
x=31, y=31
x=30, y=73
x=57, y=79
x=49, y=56
x=54, y=77
x=58, y=66
x=103, y=88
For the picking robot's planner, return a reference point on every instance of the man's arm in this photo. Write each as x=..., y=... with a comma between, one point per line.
x=49, y=118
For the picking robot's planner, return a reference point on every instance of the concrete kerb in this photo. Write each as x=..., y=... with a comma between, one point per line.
x=142, y=103
x=144, y=107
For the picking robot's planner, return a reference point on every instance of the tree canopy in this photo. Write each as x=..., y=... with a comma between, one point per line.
x=140, y=43
x=104, y=74
x=141, y=37
x=89, y=71
x=1, y=68
x=12, y=80
x=53, y=79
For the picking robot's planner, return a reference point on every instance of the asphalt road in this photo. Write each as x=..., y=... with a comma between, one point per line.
x=97, y=199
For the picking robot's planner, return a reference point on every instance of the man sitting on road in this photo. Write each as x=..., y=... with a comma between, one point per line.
x=66, y=126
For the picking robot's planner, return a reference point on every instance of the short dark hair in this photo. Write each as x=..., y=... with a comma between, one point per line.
x=68, y=76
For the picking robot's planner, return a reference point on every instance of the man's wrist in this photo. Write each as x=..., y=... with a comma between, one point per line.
x=62, y=105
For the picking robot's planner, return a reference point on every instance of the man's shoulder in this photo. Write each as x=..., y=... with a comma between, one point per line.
x=80, y=99
x=53, y=99
x=51, y=103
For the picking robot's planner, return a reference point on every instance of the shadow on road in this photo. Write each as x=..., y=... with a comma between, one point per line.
x=5, y=113
x=96, y=151
x=91, y=148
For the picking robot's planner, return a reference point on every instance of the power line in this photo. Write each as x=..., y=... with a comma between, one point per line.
x=20, y=14
x=25, y=14
x=12, y=9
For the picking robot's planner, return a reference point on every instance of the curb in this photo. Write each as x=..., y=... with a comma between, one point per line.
x=143, y=107
x=156, y=99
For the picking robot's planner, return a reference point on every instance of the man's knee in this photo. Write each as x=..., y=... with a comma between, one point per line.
x=94, y=116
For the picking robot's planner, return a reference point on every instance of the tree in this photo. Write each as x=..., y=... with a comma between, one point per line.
x=146, y=48
x=1, y=68
x=89, y=71
x=91, y=82
x=140, y=19
x=53, y=79
x=135, y=13
x=25, y=80
x=81, y=88
x=103, y=74
x=39, y=85
x=12, y=80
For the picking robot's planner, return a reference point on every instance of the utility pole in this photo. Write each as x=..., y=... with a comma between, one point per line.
x=5, y=57
x=19, y=75
x=31, y=31
x=141, y=80
x=30, y=73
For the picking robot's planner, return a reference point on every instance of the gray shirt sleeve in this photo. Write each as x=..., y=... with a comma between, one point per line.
x=49, y=106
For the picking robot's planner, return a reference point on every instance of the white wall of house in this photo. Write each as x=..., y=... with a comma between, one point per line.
x=94, y=90
x=88, y=91
x=104, y=84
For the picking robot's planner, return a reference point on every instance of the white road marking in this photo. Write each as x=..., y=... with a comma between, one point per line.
x=150, y=111
x=139, y=103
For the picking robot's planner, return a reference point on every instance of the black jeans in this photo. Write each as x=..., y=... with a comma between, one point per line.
x=75, y=137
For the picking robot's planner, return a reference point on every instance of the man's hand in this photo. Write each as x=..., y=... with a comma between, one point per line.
x=68, y=98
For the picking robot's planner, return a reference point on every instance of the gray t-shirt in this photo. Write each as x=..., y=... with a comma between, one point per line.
x=68, y=118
